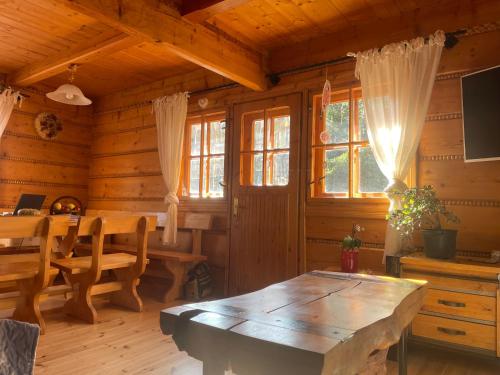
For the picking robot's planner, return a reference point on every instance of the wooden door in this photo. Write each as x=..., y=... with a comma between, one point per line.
x=265, y=188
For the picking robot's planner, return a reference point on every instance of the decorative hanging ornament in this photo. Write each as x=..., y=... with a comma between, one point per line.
x=203, y=103
x=324, y=137
x=69, y=93
x=325, y=97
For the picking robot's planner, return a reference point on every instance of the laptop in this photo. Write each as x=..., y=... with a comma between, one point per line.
x=29, y=201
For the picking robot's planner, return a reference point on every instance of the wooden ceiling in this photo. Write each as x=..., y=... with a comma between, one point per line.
x=125, y=43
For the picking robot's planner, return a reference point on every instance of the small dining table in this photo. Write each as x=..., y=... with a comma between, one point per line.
x=317, y=323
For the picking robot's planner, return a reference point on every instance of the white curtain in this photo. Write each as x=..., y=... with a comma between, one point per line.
x=397, y=83
x=170, y=113
x=8, y=99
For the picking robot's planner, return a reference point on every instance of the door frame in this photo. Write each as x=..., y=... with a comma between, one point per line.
x=293, y=100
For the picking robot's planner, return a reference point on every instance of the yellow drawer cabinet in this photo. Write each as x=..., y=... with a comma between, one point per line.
x=462, y=305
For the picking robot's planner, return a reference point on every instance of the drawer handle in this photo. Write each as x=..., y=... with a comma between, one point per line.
x=452, y=332
x=451, y=303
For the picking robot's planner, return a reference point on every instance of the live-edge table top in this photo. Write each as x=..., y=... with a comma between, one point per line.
x=319, y=322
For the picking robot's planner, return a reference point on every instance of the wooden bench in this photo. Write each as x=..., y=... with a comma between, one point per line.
x=84, y=273
x=32, y=273
x=166, y=264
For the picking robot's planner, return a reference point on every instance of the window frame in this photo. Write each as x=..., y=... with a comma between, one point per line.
x=202, y=118
x=250, y=118
x=317, y=151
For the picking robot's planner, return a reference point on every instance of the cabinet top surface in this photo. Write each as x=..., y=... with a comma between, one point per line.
x=456, y=265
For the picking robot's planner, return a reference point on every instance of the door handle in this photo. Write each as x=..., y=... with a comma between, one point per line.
x=235, y=207
x=451, y=303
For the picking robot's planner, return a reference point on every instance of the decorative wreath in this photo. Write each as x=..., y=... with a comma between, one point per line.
x=48, y=125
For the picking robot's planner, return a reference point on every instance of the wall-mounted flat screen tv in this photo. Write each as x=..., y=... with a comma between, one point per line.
x=481, y=114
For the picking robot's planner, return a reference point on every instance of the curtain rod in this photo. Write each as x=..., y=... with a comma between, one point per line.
x=450, y=42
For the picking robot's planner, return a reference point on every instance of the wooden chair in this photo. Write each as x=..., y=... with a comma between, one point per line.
x=31, y=272
x=84, y=273
x=166, y=264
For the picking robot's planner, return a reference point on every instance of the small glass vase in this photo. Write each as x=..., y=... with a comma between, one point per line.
x=349, y=260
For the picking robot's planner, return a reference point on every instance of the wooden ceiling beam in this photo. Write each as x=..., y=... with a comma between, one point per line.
x=201, y=10
x=106, y=44
x=154, y=21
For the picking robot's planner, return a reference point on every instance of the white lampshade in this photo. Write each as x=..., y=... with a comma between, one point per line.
x=69, y=94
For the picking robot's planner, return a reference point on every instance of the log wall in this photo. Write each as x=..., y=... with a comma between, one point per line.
x=125, y=173
x=30, y=164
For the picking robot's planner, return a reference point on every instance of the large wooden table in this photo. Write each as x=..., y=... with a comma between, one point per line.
x=317, y=323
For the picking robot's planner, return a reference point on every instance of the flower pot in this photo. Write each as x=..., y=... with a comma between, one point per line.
x=440, y=243
x=349, y=261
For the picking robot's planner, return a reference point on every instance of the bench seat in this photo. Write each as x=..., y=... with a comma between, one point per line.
x=78, y=265
x=165, y=264
x=22, y=270
x=151, y=254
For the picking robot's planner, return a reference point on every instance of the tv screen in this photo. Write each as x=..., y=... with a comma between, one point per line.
x=481, y=114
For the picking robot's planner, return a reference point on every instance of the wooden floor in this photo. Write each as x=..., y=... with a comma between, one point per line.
x=125, y=342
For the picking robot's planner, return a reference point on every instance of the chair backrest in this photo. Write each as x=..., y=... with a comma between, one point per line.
x=43, y=227
x=98, y=227
x=31, y=226
x=156, y=218
x=196, y=222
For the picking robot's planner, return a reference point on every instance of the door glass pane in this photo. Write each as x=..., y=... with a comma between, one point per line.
x=194, y=178
x=205, y=138
x=195, y=139
x=277, y=169
x=362, y=132
x=204, y=177
x=257, y=170
x=216, y=176
x=217, y=137
x=371, y=179
x=258, y=135
x=337, y=122
x=281, y=132
x=337, y=170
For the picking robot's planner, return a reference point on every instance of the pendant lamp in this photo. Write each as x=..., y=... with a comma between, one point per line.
x=69, y=93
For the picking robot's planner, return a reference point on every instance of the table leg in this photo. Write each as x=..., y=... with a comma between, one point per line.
x=213, y=368
x=402, y=352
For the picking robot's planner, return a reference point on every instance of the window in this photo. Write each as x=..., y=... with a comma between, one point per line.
x=265, y=147
x=343, y=161
x=205, y=141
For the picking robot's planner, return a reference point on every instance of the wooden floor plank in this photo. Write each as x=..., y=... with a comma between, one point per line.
x=125, y=342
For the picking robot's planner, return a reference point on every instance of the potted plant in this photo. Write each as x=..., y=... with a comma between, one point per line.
x=350, y=250
x=421, y=209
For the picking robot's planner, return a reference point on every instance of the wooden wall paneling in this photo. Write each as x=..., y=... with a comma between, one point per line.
x=446, y=97
x=29, y=164
x=455, y=179
x=471, y=190
x=29, y=171
x=20, y=146
x=442, y=137
x=10, y=193
x=323, y=254
x=22, y=122
x=140, y=139
x=144, y=186
x=391, y=30
x=479, y=228
x=325, y=227
x=146, y=163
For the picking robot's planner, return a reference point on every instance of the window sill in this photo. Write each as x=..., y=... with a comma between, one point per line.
x=337, y=200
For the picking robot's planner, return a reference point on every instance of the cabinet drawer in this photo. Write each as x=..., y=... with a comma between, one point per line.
x=454, y=331
x=453, y=283
x=460, y=304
